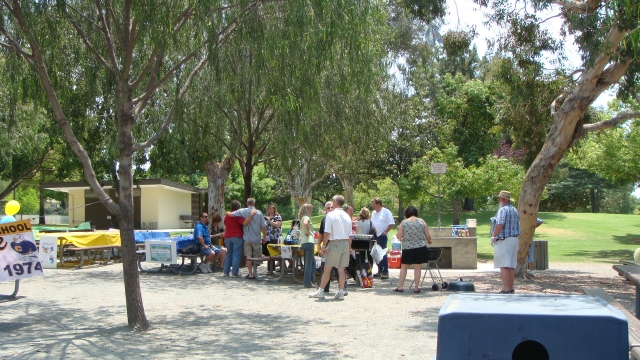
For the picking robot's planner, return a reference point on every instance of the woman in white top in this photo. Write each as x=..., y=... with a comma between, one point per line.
x=363, y=226
x=307, y=244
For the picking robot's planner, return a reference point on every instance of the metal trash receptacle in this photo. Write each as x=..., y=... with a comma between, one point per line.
x=541, y=254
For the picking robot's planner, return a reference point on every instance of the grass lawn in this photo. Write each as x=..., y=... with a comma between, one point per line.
x=573, y=237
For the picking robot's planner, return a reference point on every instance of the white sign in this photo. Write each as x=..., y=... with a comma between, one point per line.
x=438, y=168
x=285, y=252
x=161, y=252
x=48, y=252
x=18, y=252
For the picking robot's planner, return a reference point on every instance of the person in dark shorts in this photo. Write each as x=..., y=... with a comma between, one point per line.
x=414, y=234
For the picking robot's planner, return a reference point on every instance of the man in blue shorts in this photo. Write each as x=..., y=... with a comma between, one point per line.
x=203, y=237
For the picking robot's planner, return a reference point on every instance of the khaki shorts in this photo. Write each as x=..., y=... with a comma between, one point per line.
x=506, y=253
x=252, y=249
x=337, y=254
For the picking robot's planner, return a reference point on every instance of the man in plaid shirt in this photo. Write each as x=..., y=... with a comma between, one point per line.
x=504, y=239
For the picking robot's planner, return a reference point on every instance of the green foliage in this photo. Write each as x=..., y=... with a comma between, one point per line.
x=465, y=107
x=482, y=181
x=612, y=155
x=29, y=200
x=524, y=94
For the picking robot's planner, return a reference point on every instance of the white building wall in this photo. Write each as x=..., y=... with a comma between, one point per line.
x=149, y=206
x=172, y=204
x=76, y=206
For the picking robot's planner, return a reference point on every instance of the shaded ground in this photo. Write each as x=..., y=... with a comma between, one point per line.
x=80, y=314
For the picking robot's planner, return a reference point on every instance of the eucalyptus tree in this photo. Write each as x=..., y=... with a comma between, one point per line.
x=607, y=34
x=146, y=50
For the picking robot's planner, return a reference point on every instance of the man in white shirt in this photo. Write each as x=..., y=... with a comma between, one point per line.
x=336, y=247
x=383, y=222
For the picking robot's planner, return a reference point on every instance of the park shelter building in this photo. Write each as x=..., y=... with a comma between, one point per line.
x=157, y=204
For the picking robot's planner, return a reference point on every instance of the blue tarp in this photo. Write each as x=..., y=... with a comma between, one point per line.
x=141, y=236
x=181, y=241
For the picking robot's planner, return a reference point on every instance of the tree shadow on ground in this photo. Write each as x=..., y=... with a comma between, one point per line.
x=629, y=239
x=606, y=256
x=552, y=216
x=198, y=333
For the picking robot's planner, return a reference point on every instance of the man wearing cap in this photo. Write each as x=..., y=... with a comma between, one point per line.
x=504, y=239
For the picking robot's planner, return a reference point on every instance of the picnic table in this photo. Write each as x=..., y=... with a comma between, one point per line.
x=632, y=273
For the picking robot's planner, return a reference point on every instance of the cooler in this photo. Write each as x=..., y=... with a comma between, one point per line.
x=394, y=261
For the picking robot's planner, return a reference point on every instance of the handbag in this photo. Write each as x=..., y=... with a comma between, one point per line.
x=191, y=249
x=372, y=231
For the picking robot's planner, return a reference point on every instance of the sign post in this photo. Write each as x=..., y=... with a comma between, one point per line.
x=438, y=168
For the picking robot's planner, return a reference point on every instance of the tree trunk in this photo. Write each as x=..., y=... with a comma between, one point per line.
x=565, y=129
x=217, y=174
x=135, y=309
x=468, y=204
x=456, y=210
x=247, y=175
x=593, y=197
x=41, y=219
x=347, y=184
x=400, y=210
x=300, y=191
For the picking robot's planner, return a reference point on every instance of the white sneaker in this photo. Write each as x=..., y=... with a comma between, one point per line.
x=339, y=295
x=203, y=267
x=345, y=292
x=317, y=294
x=530, y=273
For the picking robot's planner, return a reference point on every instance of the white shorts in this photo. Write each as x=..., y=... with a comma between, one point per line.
x=506, y=253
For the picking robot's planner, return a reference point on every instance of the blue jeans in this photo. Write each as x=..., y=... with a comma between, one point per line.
x=234, y=252
x=383, y=267
x=309, y=264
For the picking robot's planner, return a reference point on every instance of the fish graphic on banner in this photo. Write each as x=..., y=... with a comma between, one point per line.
x=18, y=252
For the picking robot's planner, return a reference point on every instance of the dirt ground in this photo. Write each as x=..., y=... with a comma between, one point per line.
x=81, y=314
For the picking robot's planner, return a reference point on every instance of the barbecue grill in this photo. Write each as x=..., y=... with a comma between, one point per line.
x=433, y=255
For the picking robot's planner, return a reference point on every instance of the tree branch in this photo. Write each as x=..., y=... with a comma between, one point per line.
x=222, y=36
x=107, y=36
x=88, y=44
x=169, y=117
x=614, y=121
x=582, y=7
x=63, y=122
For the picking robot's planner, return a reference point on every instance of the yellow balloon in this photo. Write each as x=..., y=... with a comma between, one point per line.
x=12, y=207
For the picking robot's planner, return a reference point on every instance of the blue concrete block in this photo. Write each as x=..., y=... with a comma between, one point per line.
x=494, y=326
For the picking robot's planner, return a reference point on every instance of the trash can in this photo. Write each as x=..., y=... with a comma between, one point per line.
x=540, y=254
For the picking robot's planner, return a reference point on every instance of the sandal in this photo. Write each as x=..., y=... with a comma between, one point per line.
x=398, y=290
x=249, y=277
x=416, y=291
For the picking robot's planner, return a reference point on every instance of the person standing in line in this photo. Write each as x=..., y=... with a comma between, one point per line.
x=251, y=232
x=306, y=242
x=383, y=222
x=414, y=234
x=531, y=259
x=233, y=240
x=203, y=238
x=336, y=247
x=505, y=241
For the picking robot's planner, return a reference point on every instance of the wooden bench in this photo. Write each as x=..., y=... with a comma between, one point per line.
x=182, y=268
x=634, y=323
x=96, y=249
x=257, y=261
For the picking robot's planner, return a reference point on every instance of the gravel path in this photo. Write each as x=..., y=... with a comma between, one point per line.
x=81, y=314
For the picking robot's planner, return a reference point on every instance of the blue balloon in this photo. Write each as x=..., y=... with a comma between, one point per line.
x=7, y=219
